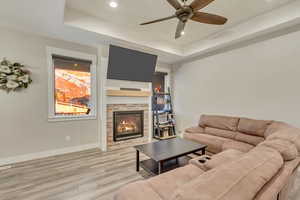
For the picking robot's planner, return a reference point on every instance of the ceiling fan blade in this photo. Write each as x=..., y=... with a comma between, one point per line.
x=198, y=4
x=208, y=18
x=179, y=29
x=175, y=4
x=159, y=20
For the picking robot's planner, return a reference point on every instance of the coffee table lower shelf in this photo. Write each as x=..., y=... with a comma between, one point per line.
x=151, y=166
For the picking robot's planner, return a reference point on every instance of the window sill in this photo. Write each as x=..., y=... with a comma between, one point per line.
x=64, y=118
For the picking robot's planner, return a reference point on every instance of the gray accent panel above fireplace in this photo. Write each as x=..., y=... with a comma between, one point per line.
x=130, y=65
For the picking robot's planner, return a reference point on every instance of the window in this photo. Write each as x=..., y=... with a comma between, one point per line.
x=158, y=82
x=72, y=85
x=159, y=85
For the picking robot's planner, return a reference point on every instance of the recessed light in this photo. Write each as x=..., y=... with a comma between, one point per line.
x=113, y=4
x=182, y=33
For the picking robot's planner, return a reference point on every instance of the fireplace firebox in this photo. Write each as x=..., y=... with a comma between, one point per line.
x=128, y=125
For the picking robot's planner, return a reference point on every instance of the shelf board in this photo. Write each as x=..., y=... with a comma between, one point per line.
x=166, y=137
x=165, y=126
x=162, y=93
x=151, y=166
x=128, y=93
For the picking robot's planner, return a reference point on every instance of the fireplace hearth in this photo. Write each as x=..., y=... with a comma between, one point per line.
x=128, y=125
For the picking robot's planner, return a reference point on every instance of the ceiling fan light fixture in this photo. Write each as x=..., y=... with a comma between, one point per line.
x=113, y=4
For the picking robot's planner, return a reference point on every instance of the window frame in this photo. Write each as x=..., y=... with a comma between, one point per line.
x=51, y=83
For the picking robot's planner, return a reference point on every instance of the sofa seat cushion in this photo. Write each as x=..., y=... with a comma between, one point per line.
x=196, y=129
x=287, y=149
x=220, y=132
x=279, y=181
x=221, y=122
x=240, y=146
x=166, y=183
x=253, y=127
x=137, y=191
x=250, y=139
x=240, y=179
x=217, y=159
x=214, y=143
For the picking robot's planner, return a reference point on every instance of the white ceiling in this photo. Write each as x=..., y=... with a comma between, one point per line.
x=123, y=21
x=94, y=23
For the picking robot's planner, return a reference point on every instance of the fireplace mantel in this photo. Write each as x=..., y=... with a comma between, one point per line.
x=127, y=93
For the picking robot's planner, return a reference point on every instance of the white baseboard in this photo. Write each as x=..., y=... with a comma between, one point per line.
x=44, y=154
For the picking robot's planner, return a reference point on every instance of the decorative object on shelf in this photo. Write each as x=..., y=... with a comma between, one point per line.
x=13, y=76
x=158, y=89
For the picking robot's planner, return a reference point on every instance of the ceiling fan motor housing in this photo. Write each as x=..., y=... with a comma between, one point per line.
x=184, y=13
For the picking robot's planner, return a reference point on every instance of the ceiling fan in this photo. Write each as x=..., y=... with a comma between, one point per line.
x=185, y=12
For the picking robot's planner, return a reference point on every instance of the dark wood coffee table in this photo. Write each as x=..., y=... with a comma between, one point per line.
x=167, y=154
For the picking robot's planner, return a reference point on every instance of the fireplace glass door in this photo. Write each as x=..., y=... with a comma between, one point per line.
x=128, y=125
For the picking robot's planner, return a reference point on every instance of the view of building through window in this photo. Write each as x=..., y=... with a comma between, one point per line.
x=72, y=87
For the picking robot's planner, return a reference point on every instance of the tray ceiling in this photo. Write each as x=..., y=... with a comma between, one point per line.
x=123, y=22
x=96, y=24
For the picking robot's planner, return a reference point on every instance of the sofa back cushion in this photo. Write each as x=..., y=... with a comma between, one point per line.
x=221, y=122
x=240, y=179
x=290, y=134
x=287, y=149
x=253, y=127
x=220, y=132
x=240, y=146
x=250, y=139
x=281, y=184
x=276, y=126
x=196, y=129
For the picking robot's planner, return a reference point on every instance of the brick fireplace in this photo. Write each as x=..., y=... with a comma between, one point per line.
x=127, y=125
x=125, y=95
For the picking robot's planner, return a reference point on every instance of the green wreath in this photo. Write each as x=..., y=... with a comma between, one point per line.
x=13, y=76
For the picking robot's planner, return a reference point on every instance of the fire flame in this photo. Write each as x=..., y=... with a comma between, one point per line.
x=125, y=126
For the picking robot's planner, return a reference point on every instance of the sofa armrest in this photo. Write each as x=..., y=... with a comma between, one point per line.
x=216, y=160
x=200, y=162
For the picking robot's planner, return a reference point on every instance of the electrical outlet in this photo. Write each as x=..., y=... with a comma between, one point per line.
x=68, y=138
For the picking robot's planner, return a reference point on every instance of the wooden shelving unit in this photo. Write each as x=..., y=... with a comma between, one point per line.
x=163, y=119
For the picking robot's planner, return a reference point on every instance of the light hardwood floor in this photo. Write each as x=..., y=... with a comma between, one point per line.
x=87, y=175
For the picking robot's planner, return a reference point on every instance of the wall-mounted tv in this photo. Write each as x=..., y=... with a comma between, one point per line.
x=131, y=65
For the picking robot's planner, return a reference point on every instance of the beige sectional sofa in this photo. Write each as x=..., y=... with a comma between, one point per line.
x=251, y=160
x=222, y=132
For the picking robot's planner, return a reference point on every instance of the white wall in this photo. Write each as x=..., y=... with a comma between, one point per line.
x=24, y=128
x=23, y=115
x=260, y=81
